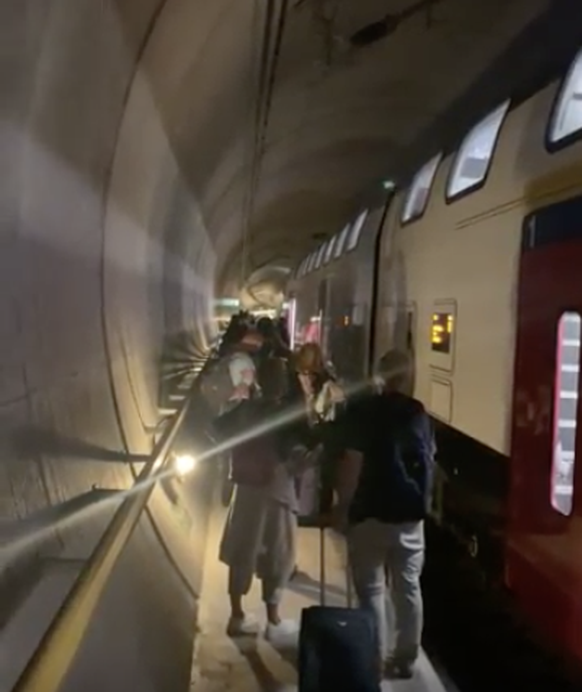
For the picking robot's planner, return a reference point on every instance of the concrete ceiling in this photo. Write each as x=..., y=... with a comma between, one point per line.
x=259, y=117
x=337, y=119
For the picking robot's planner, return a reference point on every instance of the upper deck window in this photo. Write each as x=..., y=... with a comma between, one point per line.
x=418, y=193
x=303, y=266
x=320, y=256
x=474, y=157
x=356, y=230
x=314, y=260
x=341, y=241
x=310, y=261
x=329, y=250
x=566, y=120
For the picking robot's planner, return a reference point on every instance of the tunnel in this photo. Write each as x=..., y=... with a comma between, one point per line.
x=159, y=156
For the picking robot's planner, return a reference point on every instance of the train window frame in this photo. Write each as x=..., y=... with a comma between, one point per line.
x=342, y=241
x=319, y=256
x=559, y=396
x=554, y=145
x=328, y=255
x=430, y=167
x=356, y=230
x=310, y=261
x=501, y=111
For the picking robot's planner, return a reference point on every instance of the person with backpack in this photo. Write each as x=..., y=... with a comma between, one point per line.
x=273, y=359
x=283, y=330
x=260, y=531
x=383, y=498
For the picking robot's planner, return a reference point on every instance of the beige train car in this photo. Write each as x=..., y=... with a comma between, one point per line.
x=481, y=279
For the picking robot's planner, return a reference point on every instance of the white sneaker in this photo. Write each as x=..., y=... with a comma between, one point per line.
x=285, y=633
x=242, y=627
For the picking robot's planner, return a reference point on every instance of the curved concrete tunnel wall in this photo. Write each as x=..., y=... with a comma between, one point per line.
x=105, y=256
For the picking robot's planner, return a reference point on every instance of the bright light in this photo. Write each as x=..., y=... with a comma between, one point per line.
x=184, y=464
x=292, y=322
x=388, y=184
x=227, y=302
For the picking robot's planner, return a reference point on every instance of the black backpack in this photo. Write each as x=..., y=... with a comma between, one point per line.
x=396, y=484
x=418, y=469
x=273, y=376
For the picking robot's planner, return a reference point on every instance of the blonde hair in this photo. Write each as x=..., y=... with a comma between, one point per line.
x=309, y=358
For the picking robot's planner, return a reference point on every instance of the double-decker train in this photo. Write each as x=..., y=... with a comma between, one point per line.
x=475, y=268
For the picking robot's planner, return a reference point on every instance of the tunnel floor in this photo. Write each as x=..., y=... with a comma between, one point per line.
x=222, y=664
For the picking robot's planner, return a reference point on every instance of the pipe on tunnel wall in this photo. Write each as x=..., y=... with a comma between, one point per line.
x=100, y=241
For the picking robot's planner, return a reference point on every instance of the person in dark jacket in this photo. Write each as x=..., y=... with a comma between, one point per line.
x=274, y=344
x=384, y=499
x=283, y=331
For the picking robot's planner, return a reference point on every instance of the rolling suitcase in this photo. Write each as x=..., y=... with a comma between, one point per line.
x=338, y=647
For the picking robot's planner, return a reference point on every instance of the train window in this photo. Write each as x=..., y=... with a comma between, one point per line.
x=339, y=247
x=356, y=231
x=566, y=119
x=329, y=251
x=418, y=193
x=474, y=157
x=319, y=256
x=565, y=411
x=310, y=261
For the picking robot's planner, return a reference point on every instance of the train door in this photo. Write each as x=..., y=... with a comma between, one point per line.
x=410, y=341
x=546, y=439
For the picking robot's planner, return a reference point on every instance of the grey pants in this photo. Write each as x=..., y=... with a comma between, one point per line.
x=396, y=551
x=259, y=539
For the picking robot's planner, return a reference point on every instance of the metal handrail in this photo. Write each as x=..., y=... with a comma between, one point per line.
x=58, y=648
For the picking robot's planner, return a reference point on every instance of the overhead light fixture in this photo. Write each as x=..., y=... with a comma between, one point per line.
x=388, y=185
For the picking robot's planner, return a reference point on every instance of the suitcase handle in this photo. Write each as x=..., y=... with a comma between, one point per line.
x=322, y=573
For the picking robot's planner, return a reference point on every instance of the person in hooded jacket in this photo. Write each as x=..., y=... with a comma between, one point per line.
x=259, y=538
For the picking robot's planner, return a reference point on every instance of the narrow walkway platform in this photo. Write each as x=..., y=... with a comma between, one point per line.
x=251, y=664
